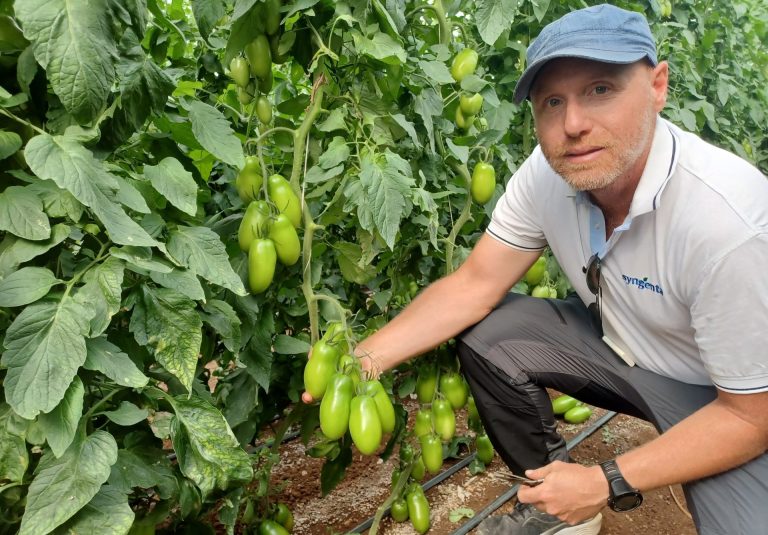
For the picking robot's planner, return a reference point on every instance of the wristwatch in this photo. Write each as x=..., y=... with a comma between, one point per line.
x=623, y=497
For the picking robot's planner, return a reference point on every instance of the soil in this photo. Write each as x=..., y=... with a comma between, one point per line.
x=367, y=484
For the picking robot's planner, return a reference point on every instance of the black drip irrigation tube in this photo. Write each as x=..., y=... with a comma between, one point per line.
x=501, y=500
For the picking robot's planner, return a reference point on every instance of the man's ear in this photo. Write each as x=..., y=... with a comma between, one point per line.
x=660, y=84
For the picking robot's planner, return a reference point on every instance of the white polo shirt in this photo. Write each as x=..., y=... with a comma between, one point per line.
x=684, y=278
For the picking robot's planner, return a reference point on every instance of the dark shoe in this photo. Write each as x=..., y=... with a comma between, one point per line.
x=527, y=520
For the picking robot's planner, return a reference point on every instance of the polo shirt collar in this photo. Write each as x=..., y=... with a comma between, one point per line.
x=662, y=159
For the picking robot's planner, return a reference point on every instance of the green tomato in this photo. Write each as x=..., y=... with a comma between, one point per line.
x=418, y=471
x=365, y=424
x=399, y=510
x=283, y=233
x=284, y=516
x=541, y=291
x=472, y=413
x=259, y=56
x=274, y=48
x=253, y=164
x=536, y=272
x=464, y=64
x=320, y=368
x=384, y=406
x=431, y=452
x=463, y=121
x=484, y=448
x=471, y=105
x=335, y=335
x=424, y=422
x=418, y=510
x=562, y=404
x=578, y=414
x=248, y=513
x=334, y=408
x=264, y=109
x=239, y=71
x=445, y=419
x=248, y=184
x=426, y=384
x=349, y=365
x=265, y=86
x=552, y=292
x=286, y=201
x=270, y=527
x=483, y=182
x=245, y=94
x=272, y=16
x=262, y=259
x=255, y=224
x=406, y=452
x=454, y=389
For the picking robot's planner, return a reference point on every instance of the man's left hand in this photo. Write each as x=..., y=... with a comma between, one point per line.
x=571, y=492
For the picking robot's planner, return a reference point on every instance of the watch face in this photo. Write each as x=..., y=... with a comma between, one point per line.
x=628, y=501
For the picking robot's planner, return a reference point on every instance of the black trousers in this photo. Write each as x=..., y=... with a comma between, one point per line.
x=528, y=344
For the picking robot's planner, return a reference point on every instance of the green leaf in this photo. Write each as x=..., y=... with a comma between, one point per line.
x=102, y=293
x=168, y=322
x=57, y=202
x=336, y=154
x=127, y=414
x=76, y=47
x=207, y=450
x=183, y=281
x=174, y=183
x=141, y=258
x=10, y=142
x=145, y=469
x=437, y=71
x=200, y=249
x=107, y=358
x=381, y=47
x=222, y=317
x=460, y=152
x=25, y=286
x=108, y=513
x=15, y=251
x=386, y=179
x=128, y=195
x=207, y=14
x=21, y=213
x=247, y=23
x=60, y=424
x=45, y=345
x=74, y=168
x=352, y=265
x=494, y=17
x=288, y=345
x=406, y=125
x=461, y=513
x=65, y=485
x=14, y=458
x=215, y=134
x=334, y=121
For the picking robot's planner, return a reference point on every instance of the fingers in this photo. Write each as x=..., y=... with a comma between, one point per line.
x=306, y=398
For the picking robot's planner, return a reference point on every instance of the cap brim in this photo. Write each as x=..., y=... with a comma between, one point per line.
x=523, y=87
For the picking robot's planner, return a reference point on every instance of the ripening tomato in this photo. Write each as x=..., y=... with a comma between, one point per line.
x=255, y=224
x=262, y=259
x=259, y=56
x=384, y=406
x=320, y=368
x=286, y=201
x=426, y=384
x=418, y=509
x=562, y=404
x=536, y=272
x=464, y=63
x=284, y=516
x=365, y=424
x=264, y=109
x=484, y=448
x=578, y=414
x=483, y=182
x=334, y=408
x=239, y=71
x=423, y=424
x=431, y=452
x=445, y=419
x=399, y=510
x=471, y=105
x=454, y=389
x=287, y=244
x=270, y=527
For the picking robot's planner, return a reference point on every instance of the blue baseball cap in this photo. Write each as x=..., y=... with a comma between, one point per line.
x=601, y=33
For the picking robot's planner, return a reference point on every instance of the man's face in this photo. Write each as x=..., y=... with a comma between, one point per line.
x=595, y=121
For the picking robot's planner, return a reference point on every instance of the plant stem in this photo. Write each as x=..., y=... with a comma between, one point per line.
x=22, y=121
x=396, y=492
x=463, y=218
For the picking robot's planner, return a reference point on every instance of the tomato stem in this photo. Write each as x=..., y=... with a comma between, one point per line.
x=450, y=245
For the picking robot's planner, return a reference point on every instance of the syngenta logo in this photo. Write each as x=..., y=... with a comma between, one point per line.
x=642, y=284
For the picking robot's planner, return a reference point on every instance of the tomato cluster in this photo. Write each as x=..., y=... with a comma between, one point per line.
x=278, y=521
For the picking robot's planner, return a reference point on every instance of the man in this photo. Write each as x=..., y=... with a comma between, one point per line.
x=664, y=238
